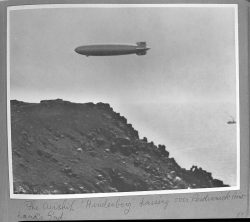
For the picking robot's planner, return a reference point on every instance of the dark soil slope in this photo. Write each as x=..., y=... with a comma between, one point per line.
x=59, y=147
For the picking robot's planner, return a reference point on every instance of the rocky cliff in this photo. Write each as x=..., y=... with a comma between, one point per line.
x=59, y=147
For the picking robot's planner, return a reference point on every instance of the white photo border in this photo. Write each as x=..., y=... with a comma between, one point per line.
x=133, y=193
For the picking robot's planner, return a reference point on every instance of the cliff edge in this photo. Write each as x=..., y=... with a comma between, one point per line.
x=59, y=147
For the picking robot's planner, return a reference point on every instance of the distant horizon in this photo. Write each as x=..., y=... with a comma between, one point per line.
x=115, y=105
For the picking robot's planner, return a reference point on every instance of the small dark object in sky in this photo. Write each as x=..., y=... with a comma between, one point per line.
x=231, y=121
x=113, y=49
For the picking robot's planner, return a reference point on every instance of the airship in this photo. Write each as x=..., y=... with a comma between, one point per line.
x=140, y=48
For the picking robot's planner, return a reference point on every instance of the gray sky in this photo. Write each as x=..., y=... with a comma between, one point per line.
x=191, y=56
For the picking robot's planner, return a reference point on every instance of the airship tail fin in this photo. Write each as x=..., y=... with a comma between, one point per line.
x=141, y=44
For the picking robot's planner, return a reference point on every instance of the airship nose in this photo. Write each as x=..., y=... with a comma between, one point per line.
x=77, y=50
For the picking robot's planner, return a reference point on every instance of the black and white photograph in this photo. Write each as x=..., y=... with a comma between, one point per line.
x=122, y=99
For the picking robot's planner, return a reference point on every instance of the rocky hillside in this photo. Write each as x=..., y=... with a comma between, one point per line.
x=59, y=147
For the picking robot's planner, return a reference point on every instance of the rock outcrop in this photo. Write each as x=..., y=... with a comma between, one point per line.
x=61, y=147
